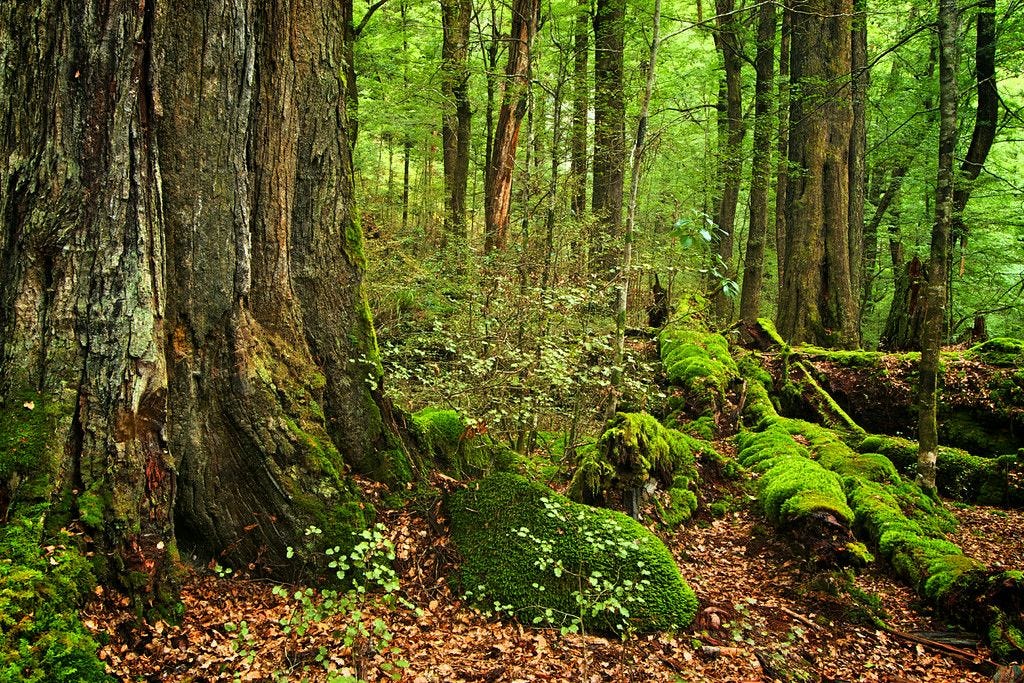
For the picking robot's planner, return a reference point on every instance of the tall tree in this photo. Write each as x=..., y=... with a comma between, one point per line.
x=935, y=296
x=731, y=131
x=181, y=271
x=580, y=109
x=817, y=303
x=760, y=173
x=636, y=156
x=609, y=133
x=456, y=114
x=514, y=98
x=782, y=171
x=859, y=78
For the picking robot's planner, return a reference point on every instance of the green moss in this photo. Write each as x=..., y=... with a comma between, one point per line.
x=633, y=449
x=699, y=363
x=443, y=434
x=959, y=474
x=41, y=637
x=530, y=550
x=1004, y=351
x=796, y=487
x=769, y=328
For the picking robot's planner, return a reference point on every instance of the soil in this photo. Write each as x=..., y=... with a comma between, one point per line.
x=763, y=613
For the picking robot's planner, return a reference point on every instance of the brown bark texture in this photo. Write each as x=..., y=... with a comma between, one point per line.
x=182, y=277
x=609, y=167
x=760, y=174
x=514, y=97
x=456, y=116
x=580, y=109
x=731, y=131
x=817, y=303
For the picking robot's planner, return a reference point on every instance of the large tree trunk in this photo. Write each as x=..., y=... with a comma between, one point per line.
x=514, y=97
x=760, y=174
x=935, y=296
x=456, y=116
x=731, y=130
x=609, y=134
x=782, y=169
x=182, y=277
x=817, y=303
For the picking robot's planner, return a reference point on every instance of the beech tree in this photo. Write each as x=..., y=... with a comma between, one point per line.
x=181, y=281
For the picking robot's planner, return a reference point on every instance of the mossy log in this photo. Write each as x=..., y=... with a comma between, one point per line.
x=700, y=370
x=981, y=399
x=535, y=554
x=961, y=476
x=905, y=526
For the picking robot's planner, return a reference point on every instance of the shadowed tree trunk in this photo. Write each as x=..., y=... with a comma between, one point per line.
x=580, y=110
x=760, y=174
x=858, y=147
x=782, y=171
x=817, y=303
x=731, y=131
x=514, y=97
x=456, y=116
x=609, y=135
x=935, y=283
x=181, y=278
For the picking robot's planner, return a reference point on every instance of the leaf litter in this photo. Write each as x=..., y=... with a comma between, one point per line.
x=764, y=616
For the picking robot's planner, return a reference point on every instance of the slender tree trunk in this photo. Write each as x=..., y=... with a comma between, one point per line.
x=782, y=172
x=760, y=173
x=580, y=110
x=498, y=195
x=622, y=285
x=817, y=303
x=181, y=271
x=456, y=114
x=406, y=179
x=731, y=131
x=859, y=82
x=609, y=134
x=935, y=297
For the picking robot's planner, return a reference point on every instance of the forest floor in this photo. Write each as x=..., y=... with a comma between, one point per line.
x=756, y=599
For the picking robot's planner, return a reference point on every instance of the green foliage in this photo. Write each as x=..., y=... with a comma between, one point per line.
x=366, y=566
x=532, y=553
x=41, y=637
x=1005, y=351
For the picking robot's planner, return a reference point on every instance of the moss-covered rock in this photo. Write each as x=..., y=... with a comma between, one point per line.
x=545, y=559
x=1005, y=351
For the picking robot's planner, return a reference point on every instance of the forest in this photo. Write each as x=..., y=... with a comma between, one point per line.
x=512, y=340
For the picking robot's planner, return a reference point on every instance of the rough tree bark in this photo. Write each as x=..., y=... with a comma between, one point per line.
x=456, y=114
x=609, y=134
x=760, y=174
x=859, y=81
x=935, y=296
x=817, y=303
x=181, y=276
x=514, y=96
x=782, y=171
x=580, y=110
x=731, y=131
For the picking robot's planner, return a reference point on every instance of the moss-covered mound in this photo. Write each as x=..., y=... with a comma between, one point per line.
x=1004, y=351
x=536, y=554
x=699, y=363
x=446, y=436
x=960, y=475
x=634, y=449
